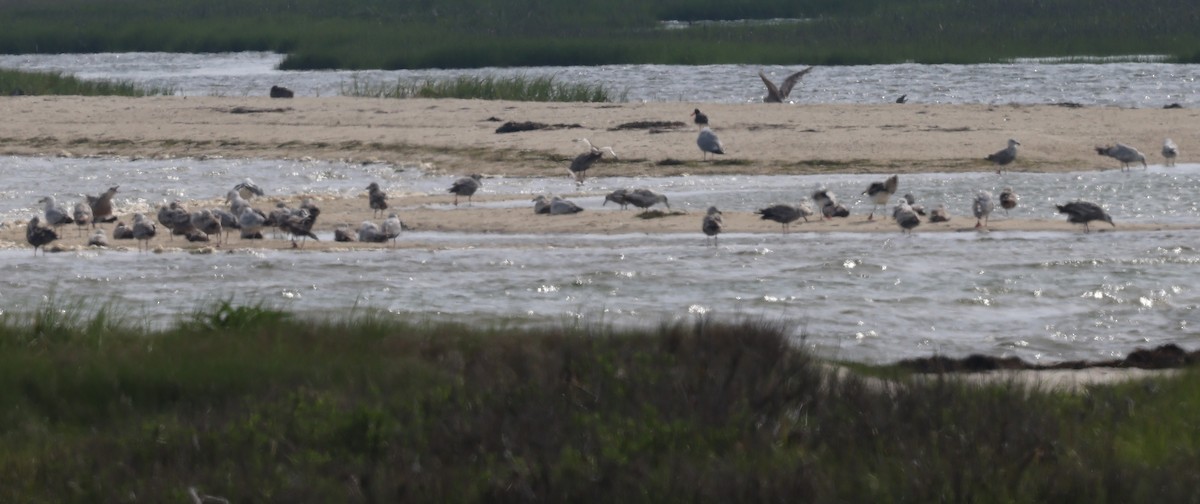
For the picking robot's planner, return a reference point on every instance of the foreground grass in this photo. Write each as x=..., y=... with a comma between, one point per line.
x=255, y=405
x=519, y=88
x=17, y=82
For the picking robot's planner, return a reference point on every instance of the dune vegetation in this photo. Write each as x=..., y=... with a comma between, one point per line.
x=252, y=404
x=359, y=34
x=16, y=82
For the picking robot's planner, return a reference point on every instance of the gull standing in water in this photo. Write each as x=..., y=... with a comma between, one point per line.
x=780, y=93
x=466, y=186
x=1004, y=156
x=1008, y=199
x=1170, y=151
x=709, y=143
x=1123, y=153
x=581, y=163
x=785, y=214
x=376, y=198
x=983, y=208
x=39, y=236
x=1083, y=212
x=711, y=225
x=879, y=192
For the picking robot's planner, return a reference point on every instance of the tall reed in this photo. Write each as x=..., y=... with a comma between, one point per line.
x=16, y=82
x=517, y=88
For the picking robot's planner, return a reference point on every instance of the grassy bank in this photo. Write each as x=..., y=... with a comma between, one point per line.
x=14, y=82
x=519, y=88
x=255, y=405
x=477, y=33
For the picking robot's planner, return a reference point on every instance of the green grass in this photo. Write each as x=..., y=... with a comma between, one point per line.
x=256, y=405
x=518, y=88
x=15, y=82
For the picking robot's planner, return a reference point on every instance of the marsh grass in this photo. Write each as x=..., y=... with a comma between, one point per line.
x=516, y=88
x=253, y=404
x=17, y=82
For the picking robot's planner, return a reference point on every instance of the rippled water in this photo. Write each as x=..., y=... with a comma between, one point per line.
x=1126, y=84
x=857, y=296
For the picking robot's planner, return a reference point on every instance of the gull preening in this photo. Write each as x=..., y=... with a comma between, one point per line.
x=466, y=186
x=1083, y=212
x=785, y=214
x=248, y=189
x=1123, y=153
x=709, y=143
x=828, y=204
x=777, y=94
x=879, y=192
x=581, y=163
x=711, y=225
x=983, y=208
x=38, y=235
x=377, y=199
x=912, y=203
x=1008, y=199
x=1004, y=156
x=1170, y=151
x=699, y=118
x=905, y=217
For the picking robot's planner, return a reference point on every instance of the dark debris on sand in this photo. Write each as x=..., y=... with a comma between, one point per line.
x=514, y=126
x=1163, y=357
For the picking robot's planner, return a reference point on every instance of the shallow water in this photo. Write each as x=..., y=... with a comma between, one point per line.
x=1125, y=84
x=860, y=296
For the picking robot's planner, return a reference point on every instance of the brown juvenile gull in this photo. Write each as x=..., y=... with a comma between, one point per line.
x=619, y=197
x=1008, y=199
x=939, y=214
x=879, y=192
x=1083, y=212
x=122, y=232
x=711, y=225
x=1123, y=153
x=645, y=198
x=102, y=208
x=143, y=230
x=205, y=222
x=785, y=214
x=82, y=215
x=1170, y=151
x=466, y=186
x=1004, y=156
x=780, y=93
x=342, y=233
x=39, y=236
x=377, y=199
x=581, y=163
x=299, y=225
x=828, y=204
x=983, y=208
x=708, y=142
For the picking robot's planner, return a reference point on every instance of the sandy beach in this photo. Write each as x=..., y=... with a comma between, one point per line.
x=458, y=137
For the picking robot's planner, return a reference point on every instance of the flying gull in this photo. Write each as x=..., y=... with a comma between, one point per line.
x=376, y=198
x=581, y=163
x=1004, y=156
x=1123, y=153
x=785, y=214
x=1170, y=151
x=983, y=208
x=466, y=186
x=708, y=142
x=39, y=236
x=1083, y=212
x=1008, y=199
x=711, y=225
x=780, y=93
x=879, y=192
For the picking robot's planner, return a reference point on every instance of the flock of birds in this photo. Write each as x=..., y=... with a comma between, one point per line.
x=204, y=224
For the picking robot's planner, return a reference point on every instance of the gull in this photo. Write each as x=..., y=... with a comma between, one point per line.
x=541, y=205
x=1008, y=199
x=228, y=220
x=581, y=163
x=143, y=230
x=39, y=236
x=708, y=142
x=251, y=222
x=205, y=222
x=342, y=233
x=619, y=196
x=98, y=239
x=122, y=232
x=82, y=215
x=1083, y=212
x=902, y=99
x=176, y=219
x=1123, y=153
x=939, y=214
x=711, y=225
x=879, y=192
x=299, y=224
x=905, y=217
x=1170, y=151
x=559, y=206
x=248, y=189
x=236, y=202
x=779, y=94
x=785, y=214
x=368, y=232
x=102, y=208
x=392, y=228
x=829, y=205
x=645, y=198
x=466, y=186
x=700, y=119
x=1004, y=156
x=983, y=208
x=912, y=202
x=376, y=198
x=56, y=215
